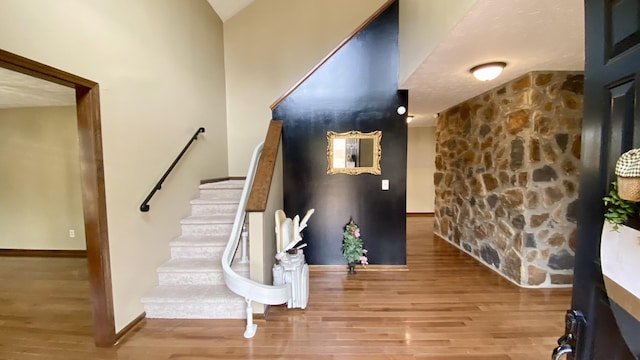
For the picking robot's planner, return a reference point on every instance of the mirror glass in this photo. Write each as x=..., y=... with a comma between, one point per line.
x=353, y=152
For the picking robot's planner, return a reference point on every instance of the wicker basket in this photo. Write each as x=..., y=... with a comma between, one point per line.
x=628, y=173
x=629, y=188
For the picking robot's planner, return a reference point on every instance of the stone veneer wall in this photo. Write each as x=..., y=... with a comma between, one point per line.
x=507, y=168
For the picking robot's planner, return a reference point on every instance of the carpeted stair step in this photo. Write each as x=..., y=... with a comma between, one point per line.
x=231, y=189
x=198, y=246
x=218, y=224
x=223, y=185
x=207, y=206
x=196, y=272
x=194, y=302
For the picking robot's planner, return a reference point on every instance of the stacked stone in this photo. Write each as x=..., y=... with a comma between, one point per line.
x=507, y=174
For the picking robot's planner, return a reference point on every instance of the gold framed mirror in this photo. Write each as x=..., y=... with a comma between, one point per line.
x=354, y=152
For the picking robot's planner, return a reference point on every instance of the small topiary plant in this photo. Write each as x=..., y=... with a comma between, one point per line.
x=352, y=247
x=618, y=210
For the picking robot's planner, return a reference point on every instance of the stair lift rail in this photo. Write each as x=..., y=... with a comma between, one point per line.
x=247, y=288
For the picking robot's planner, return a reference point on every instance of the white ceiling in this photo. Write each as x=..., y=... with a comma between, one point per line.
x=227, y=8
x=528, y=35
x=19, y=90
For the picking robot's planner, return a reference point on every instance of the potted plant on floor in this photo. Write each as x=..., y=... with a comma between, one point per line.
x=352, y=247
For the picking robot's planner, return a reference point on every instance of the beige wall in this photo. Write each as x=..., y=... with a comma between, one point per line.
x=161, y=73
x=269, y=46
x=423, y=25
x=40, y=179
x=421, y=155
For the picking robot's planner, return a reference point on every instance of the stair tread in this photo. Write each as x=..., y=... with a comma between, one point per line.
x=191, y=294
x=223, y=185
x=200, y=240
x=214, y=201
x=209, y=219
x=198, y=265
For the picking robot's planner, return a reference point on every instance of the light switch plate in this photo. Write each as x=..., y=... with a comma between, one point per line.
x=385, y=184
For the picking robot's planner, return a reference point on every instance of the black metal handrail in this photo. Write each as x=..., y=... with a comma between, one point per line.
x=144, y=207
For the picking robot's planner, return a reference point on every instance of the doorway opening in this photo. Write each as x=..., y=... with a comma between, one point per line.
x=92, y=181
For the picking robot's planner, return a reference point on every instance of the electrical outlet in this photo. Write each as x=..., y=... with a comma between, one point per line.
x=72, y=233
x=385, y=184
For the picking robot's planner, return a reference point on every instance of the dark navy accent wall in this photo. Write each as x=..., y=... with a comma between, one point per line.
x=356, y=89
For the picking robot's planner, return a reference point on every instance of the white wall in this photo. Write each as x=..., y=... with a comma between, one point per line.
x=40, y=179
x=423, y=25
x=421, y=155
x=161, y=73
x=269, y=47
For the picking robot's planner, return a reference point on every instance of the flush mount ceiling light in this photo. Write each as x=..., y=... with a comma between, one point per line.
x=488, y=71
x=409, y=118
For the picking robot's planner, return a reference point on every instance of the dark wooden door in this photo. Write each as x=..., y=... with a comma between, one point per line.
x=611, y=126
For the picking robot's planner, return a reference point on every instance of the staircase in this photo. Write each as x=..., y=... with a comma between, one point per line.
x=191, y=283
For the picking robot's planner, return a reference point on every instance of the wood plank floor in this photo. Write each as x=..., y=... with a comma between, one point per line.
x=446, y=306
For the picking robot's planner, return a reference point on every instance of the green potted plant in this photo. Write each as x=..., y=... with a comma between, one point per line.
x=618, y=210
x=619, y=247
x=352, y=247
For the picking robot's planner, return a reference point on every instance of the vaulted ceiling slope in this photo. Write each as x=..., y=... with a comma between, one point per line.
x=527, y=35
x=227, y=8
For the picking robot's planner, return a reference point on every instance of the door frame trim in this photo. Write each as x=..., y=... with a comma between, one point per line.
x=93, y=189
